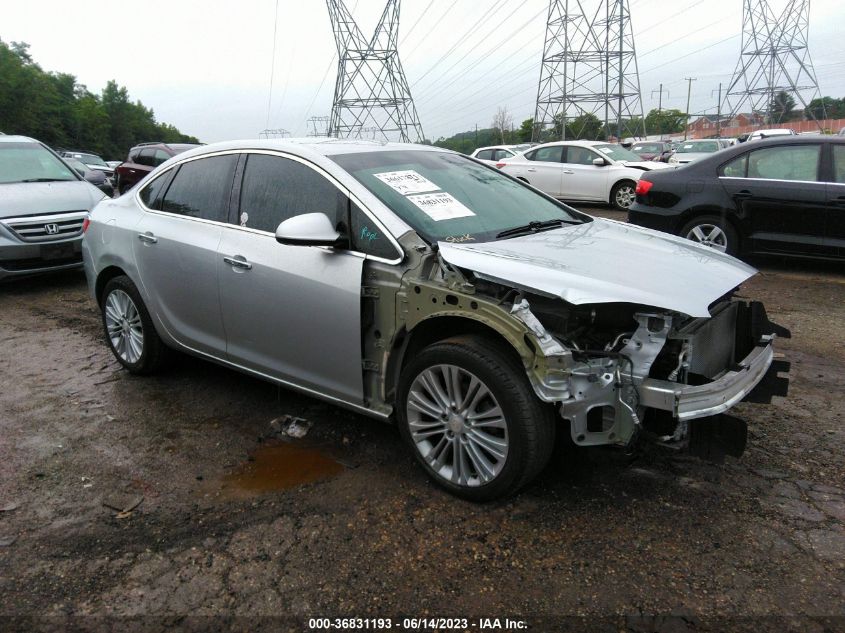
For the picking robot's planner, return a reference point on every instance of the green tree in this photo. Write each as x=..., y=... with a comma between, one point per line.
x=825, y=108
x=665, y=121
x=781, y=107
x=525, y=131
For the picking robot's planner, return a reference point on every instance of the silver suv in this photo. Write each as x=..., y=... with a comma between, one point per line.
x=411, y=283
x=43, y=204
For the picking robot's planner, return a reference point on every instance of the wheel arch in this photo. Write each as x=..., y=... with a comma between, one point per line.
x=104, y=277
x=707, y=210
x=437, y=328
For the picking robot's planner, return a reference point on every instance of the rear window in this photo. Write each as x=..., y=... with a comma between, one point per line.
x=201, y=188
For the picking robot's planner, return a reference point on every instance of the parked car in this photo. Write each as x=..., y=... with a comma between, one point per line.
x=92, y=161
x=842, y=132
x=651, y=150
x=590, y=171
x=759, y=135
x=142, y=159
x=113, y=163
x=691, y=150
x=496, y=153
x=411, y=283
x=94, y=176
x=783, y=196
x=43, y=204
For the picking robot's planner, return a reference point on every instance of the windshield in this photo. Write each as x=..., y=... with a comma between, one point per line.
x=448, y=197
x=31, y=162
x=77, y=165
x=617, y=152
x=647, y=148
x=704, y=146
x=90, y=159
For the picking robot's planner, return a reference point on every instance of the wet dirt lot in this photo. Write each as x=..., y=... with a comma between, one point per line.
x=125, y=496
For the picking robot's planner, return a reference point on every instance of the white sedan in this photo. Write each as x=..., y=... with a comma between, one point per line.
x=495, y=153
x=590, y=171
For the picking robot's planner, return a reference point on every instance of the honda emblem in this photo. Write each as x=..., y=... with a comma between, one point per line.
x=51, y=229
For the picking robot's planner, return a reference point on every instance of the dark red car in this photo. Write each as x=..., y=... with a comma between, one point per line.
x=649, y=150
x=143, y=158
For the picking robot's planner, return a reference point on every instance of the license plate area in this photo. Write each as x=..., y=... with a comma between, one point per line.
x=51, y=252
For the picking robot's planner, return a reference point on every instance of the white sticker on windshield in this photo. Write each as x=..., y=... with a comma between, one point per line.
x=688, y=146
x=604, y=150
x=440, y=206
x=406, y=182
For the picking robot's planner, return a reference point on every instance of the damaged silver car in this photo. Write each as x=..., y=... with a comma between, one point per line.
x=414, y=284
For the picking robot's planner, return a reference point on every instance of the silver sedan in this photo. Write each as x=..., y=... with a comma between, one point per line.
x=414, y=284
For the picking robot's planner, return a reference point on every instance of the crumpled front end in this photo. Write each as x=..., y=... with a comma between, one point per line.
x=653, y=379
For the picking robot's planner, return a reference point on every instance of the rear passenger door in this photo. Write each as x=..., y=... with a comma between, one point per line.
x=544, y=169
x=835, y=219
x=778, y=194
x=175, y=248
x=292, y=312
x=581, y=179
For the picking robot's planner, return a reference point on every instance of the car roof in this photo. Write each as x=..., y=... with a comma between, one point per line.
x=311, y=147
x=18, y=139
x=575, y=142
x=496, y=147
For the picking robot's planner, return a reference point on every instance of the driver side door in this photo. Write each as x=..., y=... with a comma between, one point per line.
x=290, y=312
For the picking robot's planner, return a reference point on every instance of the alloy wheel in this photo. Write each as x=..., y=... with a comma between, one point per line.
x=709, y=235
x=625, y=196
x=124, y=327
x=457, y=425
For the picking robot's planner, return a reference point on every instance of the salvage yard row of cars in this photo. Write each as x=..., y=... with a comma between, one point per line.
x=413, y=284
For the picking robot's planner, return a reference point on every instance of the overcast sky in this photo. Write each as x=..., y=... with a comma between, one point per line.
x=205, y=65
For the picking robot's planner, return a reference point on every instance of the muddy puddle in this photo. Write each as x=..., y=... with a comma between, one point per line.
x=272, y=468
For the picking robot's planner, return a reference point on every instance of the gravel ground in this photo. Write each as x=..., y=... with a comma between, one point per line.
x=174, y=496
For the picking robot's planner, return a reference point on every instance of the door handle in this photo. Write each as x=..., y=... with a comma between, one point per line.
x=238, y=262
x=147, y=238
x=743, y=194
x=568, y=171
x=531, y=169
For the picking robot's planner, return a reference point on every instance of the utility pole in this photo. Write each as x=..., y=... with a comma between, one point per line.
x=476, y=134
x=718, y=112
x=689, y=94
x=659, y=108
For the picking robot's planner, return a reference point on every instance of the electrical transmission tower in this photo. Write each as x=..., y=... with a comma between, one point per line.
x=589, y=84
x=277, y=133
x=371, y=90
x=318, y=126
x=774, y=62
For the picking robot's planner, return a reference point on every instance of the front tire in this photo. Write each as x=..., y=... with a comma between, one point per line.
x=623, y=194
x=714, y=232
x=129, y=329
x=472, y=420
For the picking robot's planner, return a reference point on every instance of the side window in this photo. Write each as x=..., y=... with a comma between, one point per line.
x=735, y=168
x=553, y=154
x=486, y=154
x=133, y=156
x=499, y=154
x=839, y=163
x=145, y=157
x=275, y=189
x=367, y=237
x=151, y=193
x=787, y=162
x=579, y=155
x=159, y=157
x=202, y=188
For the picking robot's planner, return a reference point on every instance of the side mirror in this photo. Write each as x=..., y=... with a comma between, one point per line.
x=599, y=162
x=308, y=229
x=92, y=176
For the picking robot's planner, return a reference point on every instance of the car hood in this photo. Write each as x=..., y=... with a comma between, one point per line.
x=32, y=198
x=606, y=262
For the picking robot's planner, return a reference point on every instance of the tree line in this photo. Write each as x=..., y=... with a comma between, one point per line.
x=59, y=111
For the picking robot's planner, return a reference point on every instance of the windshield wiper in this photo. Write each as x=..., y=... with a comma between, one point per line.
x=45, y=180
x=535, y=226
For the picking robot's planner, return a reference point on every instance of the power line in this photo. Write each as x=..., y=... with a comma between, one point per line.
x=414, y=25
x=496, y=8
x=425, y=38
x=272, y=64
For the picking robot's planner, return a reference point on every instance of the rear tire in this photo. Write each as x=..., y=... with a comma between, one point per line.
x=714, y=232
x=622, y=195
x=129, y=330
x=466, y=400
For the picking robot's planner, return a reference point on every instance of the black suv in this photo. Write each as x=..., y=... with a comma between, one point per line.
x=783, y=196
x=143, y=158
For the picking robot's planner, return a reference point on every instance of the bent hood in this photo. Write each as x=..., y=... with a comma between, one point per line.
x=606, y=262
x=35, y=198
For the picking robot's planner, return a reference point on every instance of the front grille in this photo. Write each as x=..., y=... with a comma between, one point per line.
x=42, y=228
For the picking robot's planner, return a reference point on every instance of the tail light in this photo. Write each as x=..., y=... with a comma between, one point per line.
x=643, y=187
x=500, y=165
x=85, y=223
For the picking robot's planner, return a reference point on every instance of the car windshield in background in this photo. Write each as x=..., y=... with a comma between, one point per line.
x=90, y=159
x=30, y=162
x=446, y=197
x=617, y=152
x=650, y=148
x=77, y=165
x=704, y=146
